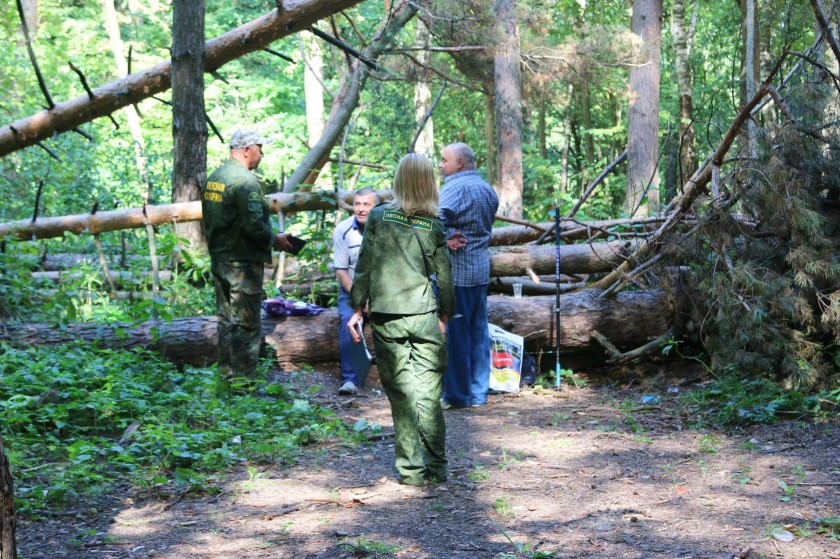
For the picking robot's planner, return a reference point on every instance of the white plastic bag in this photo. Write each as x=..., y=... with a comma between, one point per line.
x=506, y=351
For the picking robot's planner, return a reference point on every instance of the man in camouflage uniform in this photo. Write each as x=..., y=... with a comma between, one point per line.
x=240, y=239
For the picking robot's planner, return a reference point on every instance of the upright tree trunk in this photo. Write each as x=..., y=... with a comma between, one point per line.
x=682, y=32
x=509, y=110
x=423, y=95
x=189, y=127
x=541, y=141
x=30, y=15
x=749, y=11
x=643, y=116
x=586, y=112
x=567, y=139
x=8, y=545
x=490, y=135
x=131, y=115
x=313, y=91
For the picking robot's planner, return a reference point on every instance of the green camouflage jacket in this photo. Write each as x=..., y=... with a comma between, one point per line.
x=236, y=215
x=390, y=272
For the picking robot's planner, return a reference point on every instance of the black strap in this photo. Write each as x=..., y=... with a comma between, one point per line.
x=422, y=251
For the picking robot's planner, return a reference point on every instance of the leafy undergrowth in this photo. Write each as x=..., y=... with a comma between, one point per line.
x=734, y=400
x=77, y=419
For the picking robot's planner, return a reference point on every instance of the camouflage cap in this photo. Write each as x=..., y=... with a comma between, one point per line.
x=245, y=137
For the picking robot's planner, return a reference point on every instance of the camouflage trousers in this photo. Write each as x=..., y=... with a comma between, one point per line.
x=239, y=289
x=411, y=357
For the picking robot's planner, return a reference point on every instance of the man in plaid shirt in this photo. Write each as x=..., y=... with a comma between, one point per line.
x=468, y=208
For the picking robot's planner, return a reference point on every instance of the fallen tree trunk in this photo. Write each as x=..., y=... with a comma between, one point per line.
x=517, y=260
x=137, y=218
x=574, y=259
x=120, y=277
x=546, y=285
x=290, y=17
x=630, y=319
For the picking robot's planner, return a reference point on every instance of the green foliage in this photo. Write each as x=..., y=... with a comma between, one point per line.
x=97, y=416
x=370, y=549
x=503, y=507
x=736, y=400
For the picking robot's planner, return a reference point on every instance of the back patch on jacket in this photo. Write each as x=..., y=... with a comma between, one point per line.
x=423, y=223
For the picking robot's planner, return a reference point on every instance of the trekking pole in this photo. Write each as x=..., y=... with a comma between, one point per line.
x=557, y=368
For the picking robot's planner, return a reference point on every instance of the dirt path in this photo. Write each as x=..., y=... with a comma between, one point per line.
x=587, y=473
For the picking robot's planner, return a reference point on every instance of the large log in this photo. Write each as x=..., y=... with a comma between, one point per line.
x=290, y=17
x=513, y=260
x=137, y=218
x=574, y=259
x=628, y=320
x=134, y=218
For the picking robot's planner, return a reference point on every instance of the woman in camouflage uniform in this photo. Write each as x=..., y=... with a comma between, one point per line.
x=403, y=256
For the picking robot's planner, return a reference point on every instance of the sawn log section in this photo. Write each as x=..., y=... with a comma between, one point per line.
x=628, y=320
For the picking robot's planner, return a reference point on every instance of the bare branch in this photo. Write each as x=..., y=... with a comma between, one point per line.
x=826, y=29
x=82, y=78
x=280, y=54
x=344, y=46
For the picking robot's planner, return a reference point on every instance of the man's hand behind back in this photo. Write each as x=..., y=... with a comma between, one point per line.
x=456, y=242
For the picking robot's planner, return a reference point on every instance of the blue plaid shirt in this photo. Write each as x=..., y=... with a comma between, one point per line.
x=468, y=204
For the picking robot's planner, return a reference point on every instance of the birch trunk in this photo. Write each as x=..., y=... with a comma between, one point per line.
x=423, y=96
x=313, y=91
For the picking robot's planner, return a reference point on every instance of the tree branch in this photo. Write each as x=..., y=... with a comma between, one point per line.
x=41, y=83
x=345, y=47
x=826, y=29
x=250, y=37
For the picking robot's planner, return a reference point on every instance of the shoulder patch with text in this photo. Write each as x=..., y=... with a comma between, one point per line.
x=423, y=223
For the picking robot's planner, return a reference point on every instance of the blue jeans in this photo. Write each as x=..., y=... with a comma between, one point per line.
x=345, y=341
x=467, y=376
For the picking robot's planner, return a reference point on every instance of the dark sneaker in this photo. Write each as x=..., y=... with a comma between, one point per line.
x=348, y=389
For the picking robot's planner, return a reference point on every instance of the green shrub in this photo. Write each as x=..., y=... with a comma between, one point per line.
x=99, y=415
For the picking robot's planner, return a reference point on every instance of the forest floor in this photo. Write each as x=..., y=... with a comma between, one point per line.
x=593, y=472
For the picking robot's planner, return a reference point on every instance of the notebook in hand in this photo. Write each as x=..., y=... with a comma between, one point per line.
x=297, y=244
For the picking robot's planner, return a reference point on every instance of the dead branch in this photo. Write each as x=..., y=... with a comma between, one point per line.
x=41, y=83
x=280, y=55
x=587, y=192
x=436, y=49
x=826, y=29
x=442, y=74
x=345, y=47
x=521, y=222
x=681, y=203
x=82, y=79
